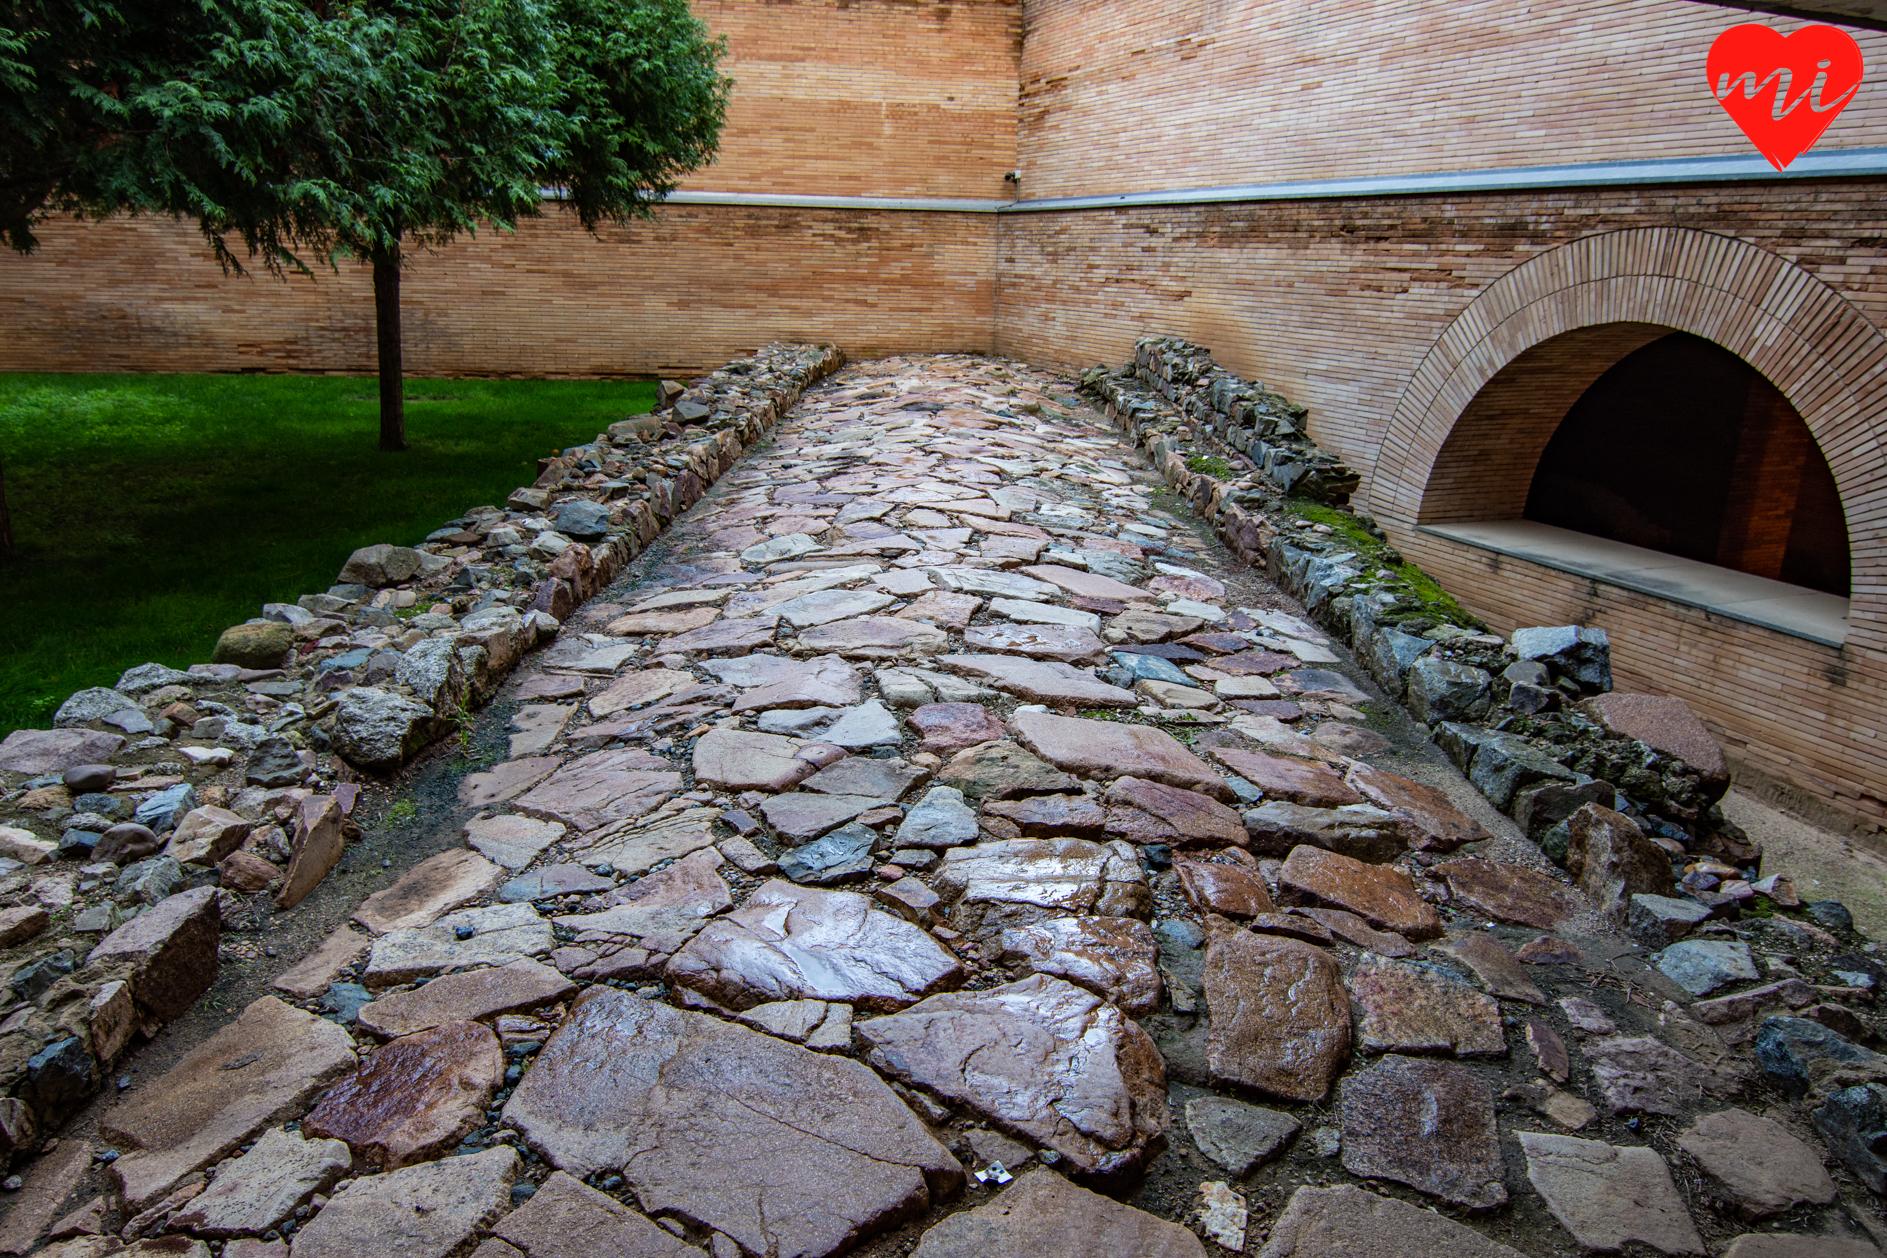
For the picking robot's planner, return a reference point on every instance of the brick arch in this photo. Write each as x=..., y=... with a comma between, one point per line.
x=1569, y=313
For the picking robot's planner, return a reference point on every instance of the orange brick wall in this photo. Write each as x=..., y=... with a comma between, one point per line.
x=1145, y=95
x=699, y=286
x=867, y=97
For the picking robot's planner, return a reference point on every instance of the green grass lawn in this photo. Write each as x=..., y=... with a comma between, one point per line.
x=152, y=512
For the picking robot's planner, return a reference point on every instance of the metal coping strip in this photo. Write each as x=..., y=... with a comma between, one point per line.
x=1742, y=168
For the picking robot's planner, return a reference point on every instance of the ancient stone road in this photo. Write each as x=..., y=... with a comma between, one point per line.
x=932, y=834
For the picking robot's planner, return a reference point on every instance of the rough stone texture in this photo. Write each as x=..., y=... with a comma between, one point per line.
x=436, y=885
x=1347, y=1222
x=1607, y=1196
x=640, y=845
x=38, y=751
x=1239, y=1137
x=1612, y=861
x=1510, y=893
x=1701, y=966
x=1052, y=816
x=864, y=775
x=425, y=1211
x=1354, y=930
x=168, y=953
x=1151, y=812
x=311, y=975
x=1666, y=723
x=468, y=997
x=1016, y=882
x=1500, y=971
x=380, y=565
x=1440, y=826
x=1656, y=920
x=49, y=1181
x=875, y=638
x=258, y=1070
x=1643, y=1074
x=262, y=1188
x=947, y=728
x=1281, y=777
x=635, y=690
x=566, y=1218
x=500, y=934
x=1226, y=883
x=1040, y=1057
x=940, y=820
x=1385, y=898
x=597, y=789
x=1776, y=1245
x=1040, y=681
x=1764, y=1167
x=785, y=1150
x=253, y=646
x=1108, y=749
x=1002, y=770
x=1280, y=1016
x=1069, y=644
x=664, y=908
x=506, y=780
x=802, y=815
x=316, y=849
x=1427, y=1124
x=1362, y=831
x=511, y=840
x=415, y=1096
x=740, y=760
x=1115, y=957
x=791, y=943
x=1042, y=1215
x=1413, y=1008
x=379, y=730
x=206, y=835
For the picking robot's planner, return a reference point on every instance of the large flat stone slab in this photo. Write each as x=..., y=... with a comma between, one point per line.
x=264, y=1187
x=665, y=908
x=825, y=681
x=1017, y=882
x=606, y=786
x=1087, y=584
x=425, y=1211
x=1109, y=749
x=1280, y=1016
x=1348, y=1222
x=257, y=1071
x=741, y=760
x=1765, y=1168
x=725, y=637
x=1385, y=898
x=497, y=935
x=1141, y=811
x=1427, y=1124
x=1002, y=770
x=39, y=751
x=1040, y=681
x=638, y=846
x=876, y=638
x=1040, y=1057
x=566, y=1218
x=798, y=943
x=1115, y=957
x=511, y=840
x=1607, y=1196
x=468, y=997
x=1412, y=1008
x=168, y=953
x=1511, y=893
x=1283, y=777
x=414, y=1097
x=1066, y=643
x=785, y=1150
x=433, y=887
x=1441, y=826
x=1042, y=1215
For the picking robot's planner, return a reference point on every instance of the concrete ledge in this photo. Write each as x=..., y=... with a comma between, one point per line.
x=1790, y=609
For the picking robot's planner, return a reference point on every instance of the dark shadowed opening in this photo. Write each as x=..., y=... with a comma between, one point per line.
x=1684, y=448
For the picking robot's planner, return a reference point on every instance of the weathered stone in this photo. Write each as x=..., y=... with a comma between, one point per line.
x=1042, y=1215
x=949, y=727
x=435, y=886
x=1041, y=1057
x=1347, y=1222
x=1108, y=749
x=1002, y=770
x=1280, y=777
x=1427, y=1124
x=941, y=820
x=741, y=761
x=1017, y=882
x=1608, y=1196
x=1657, y=921
x=1227, y=883
x=49, y=1182
x=800, y=815
x=311, y=975
x=1779, y=1245
x=468, y=997
x=206, y=835
x=868, y=725
x=378, y=730
x=782, y=1149
x=1667, y=724
x=1440, y=826
x=876, y=638
x=262, y=1188
x=1853, y=1121
x=168, y=953
x=1068, y=644
x=1701, y=966
x=1152, y=812
x=796, y=943
x=566, y=1218
x=425, y=1211
x=1762, y=1164
x=274, y=762
x=1051, y=816
x=253, y=646
x=1280, y=1016
x=1385, y=898
x=606, y=786
x=1500, y=972
x=664, y=908
x=736, y=636
x=659, y=623
x=380, y=565
x=637, y=847
x=511, y=840
x=1612, y=860
x=505, y=781
x=789, y=1019
x=499, y=935
x=865, y=775
x=1412, y=1008
x=120, y=844
x=415, y=1096
x=162, y=810
x=316, y=848
x=844, y=854
x=1239, y=1137
x=1790, y=993
x=1354, y=930
x=17, y=925
x=1040, y=681
x=36, y=751
x=639, y=689
x=1506, y=764
x=258, y=1070
x=1115, y=957
x=1361, y=831
x=1510, y=893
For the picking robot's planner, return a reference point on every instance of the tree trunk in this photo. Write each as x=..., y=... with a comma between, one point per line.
x=6, y=519
x=386, y=314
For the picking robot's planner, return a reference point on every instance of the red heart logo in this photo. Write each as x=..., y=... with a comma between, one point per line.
x=1784, y=90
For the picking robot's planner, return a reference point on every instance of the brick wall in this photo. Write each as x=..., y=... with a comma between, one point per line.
x=1144, y=95
x=680, y=295
x=867, y=97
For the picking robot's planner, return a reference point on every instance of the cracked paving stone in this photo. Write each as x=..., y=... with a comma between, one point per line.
x=1607, y=1196
x=1412, y=1008
x=415, y=1096
x=1427, y=1124
x=1042, y=1215
x=1115, y=957
x=1280, y=1015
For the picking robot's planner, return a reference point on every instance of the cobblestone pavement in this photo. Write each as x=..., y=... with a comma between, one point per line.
x=939, y=846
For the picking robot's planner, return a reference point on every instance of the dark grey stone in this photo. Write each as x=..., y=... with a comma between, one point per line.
x=1657, y=921
x=85, y=778
x=1530, y=700
x=59, y=1079
x=166, y=808
x=127, y=842
x=1539, y=808
x=1391, y=654
x=1583, y=655
x=845, y=853
x=1527, y=673
x=1152, y=668
x=1507, y=763
x=150, y=880
x=581, y=519
x=31, y=980
x=275, y=763
x=1854, y=1123
x=1831, y=913
x=1790, y=1049
x=1442, y=690
x=77, y=845
x=343, y=1000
